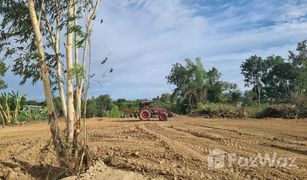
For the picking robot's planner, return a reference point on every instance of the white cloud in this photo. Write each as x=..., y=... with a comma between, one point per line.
x=146, y=36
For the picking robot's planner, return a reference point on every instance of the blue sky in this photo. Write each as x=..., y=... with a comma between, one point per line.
x=145, y=37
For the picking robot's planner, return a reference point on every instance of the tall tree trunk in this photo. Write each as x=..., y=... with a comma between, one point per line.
x=88, y=78
x=70, y=75
x=80, y=81
x=59, y=63
x=45, y=78
x=259, y=94
x=78, y=94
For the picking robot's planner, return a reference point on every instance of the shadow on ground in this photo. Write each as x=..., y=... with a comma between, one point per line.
x=37, y=171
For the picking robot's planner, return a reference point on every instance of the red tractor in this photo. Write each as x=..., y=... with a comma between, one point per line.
x=147, y=111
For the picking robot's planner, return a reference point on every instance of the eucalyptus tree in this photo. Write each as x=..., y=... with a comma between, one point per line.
x=32, y=41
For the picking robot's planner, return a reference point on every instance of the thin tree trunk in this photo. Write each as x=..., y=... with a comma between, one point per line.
x=259, y=95
x=59, y=63
x=80, y=85
x=80, y=81
x=55, y=40
x=88, y=78
x=75, y=35
x=70, y=74
x=87, y=90
x=45, y=78
x=78, y=89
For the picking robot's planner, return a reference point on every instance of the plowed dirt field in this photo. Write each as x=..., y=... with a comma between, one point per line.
x=182, y=148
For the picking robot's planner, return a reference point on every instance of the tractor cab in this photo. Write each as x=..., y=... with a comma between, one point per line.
x=145, y=104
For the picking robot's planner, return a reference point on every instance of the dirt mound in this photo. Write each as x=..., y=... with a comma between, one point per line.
x=99, y=171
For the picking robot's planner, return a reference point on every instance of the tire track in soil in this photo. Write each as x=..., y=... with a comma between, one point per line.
x=176, y=146
x=236, y=171
x=150, y=161
x=223, y=129
x=198, y=160
x=289, y=149
x=232, y=144
x=243, y=150
x=246, y=150
x=247, y=140
x=215, y=138
x=253, y=140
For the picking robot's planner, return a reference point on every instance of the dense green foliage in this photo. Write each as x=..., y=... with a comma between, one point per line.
x=2, y=73
x=35, y=114
x=15, y=109
x=101, y=106
x=194, y=85
x=217, y=110
x=17, y=42
x=275, y=79
x=10, y=106
x=127, y=104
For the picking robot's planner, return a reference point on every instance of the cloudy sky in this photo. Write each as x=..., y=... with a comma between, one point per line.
x=143, y=38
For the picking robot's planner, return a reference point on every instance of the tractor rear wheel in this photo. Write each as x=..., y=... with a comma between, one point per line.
x=162, y=116
x=145, y=115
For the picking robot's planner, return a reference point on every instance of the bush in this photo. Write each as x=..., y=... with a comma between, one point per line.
x=213, y=110
x=114, y=112
x=255, y=110
x=27, y=115
x=281, y=111
x=91, y=108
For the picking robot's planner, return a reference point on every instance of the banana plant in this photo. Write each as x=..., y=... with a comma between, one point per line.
x=5, y=108
x=10, y=105
x=17, y=99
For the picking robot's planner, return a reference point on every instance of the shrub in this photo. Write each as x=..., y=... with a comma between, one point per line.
x=255, y=110
x=281, y=111
x=114, y=112
x=213, y=110
x=28, y=114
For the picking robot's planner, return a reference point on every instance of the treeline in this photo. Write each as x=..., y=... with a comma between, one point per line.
x=101, y=106
x=273, y=81
x=278, y=88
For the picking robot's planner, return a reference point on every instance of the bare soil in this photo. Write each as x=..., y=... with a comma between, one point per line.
x=177, y=148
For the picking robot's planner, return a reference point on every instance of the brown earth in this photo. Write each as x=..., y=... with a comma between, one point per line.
x=177, y=148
